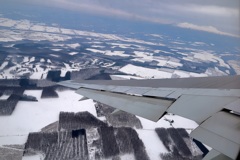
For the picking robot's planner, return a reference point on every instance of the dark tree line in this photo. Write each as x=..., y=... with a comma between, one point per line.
x=27, y=83
x=110, y=147
x=173, y=140
x=164, y=137
x=179, y=142
x=49, y=92
x=73, y=121
x=123, y=141
x=38, y=141
x=9, y=82
x=138, y=146
x=8, y=106
x=183, y=133
x=93, y=73
x=25, y=97
x=59, y=145
x=117, y=120
x=55, y=76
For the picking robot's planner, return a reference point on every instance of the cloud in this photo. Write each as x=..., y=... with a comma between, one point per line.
x=223, y=14
x=210, y=29
x=209, y=10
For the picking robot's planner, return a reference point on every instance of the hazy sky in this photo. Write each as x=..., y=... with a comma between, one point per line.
x=218, y=16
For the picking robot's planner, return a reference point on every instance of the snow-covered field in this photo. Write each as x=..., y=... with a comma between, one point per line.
x=38, y=156
x=32, y=116
x=153, y=144
x=73, y=53
x=74, y=45
x=159, y=73
x=179, y=122
x=145, y=72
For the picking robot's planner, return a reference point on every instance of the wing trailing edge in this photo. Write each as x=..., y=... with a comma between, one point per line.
x=149, y=108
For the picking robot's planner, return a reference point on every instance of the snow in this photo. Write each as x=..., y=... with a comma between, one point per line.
x=174, y=64
x=235, y=64
x=144, y=72
x=138, y=60
x=35, y=93
x=8, y=23
x=156, y=35
x=23, y=25
x=116, y=53
x=153, y=73
x=179, y=122
x=67, y=31
x=42, y=60
x=162, y=62
x=186, y=74
x=63, y=72
x=95, y=50
x=94, y=61
x=4, y=64
x=208, y=56
x=37, y=28
x=56, y=49
x=73, y=53
x=32, y=59
x=198, y=44
x=198, y=74
x=4, y=97
x=222, y=63
x=144, y=55
x=32, y=116
x=184, y=54
x=108, y=64
x=38, y=156
x=17, y=35
x=74, y=45
x=52, y=29
x=67, y=68
x=37, y=74
x=54, y=55
x=13, y=139
x=177, y=42
x=58, y=45
x=25, y=59
x=98, y=46
x=127, y=157
x=123, y=77
x=120, y=45
x=49, y=61
x=153, y=144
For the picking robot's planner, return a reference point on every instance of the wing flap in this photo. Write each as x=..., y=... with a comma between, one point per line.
x=199, y=108
x=149, y=108
x=215, y=155
x=234, y=106
x=221, y=132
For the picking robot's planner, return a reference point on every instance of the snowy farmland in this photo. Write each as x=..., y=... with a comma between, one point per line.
x=33, y=116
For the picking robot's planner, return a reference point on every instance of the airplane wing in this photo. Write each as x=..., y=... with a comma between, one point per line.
x=212, y=102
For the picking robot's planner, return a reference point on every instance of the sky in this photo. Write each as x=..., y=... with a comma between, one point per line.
x=216, y=16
